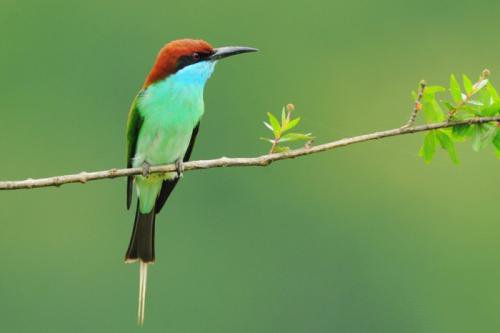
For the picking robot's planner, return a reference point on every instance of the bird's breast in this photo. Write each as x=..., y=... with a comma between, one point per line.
x=170, y=113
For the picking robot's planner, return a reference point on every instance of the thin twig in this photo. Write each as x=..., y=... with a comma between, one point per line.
x=418, y=104
x=264, y=160
x=273, y=146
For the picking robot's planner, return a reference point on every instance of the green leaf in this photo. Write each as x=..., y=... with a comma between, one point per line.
x=268, y=140
x=448, y=105
x=429, y=147
x=283, y=116
x=482, y=135
x=461, y=131
x=463, y=116
x=292, y=124
x=496, y=142
x=496, y=139
x=430, y=106
x=474, y=103
x=274, y=124
x=470, y=109
x=476, y=138
x=447, y=144
x=490, y=131
x=455, y=91
x=434, y=89
x=296, y=137
x=491, y=110
x=268, y=126
x=432, y=110
x=493, y=92
x=467, y=84
x=484, y=97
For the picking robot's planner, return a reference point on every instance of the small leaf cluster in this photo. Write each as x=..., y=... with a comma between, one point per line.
x=471, y=100
x=280, y=130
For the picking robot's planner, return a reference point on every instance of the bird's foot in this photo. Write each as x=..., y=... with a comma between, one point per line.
x=146, y=169
x=179, y=168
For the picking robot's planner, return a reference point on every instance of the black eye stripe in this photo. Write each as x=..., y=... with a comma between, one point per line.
x=192, y=58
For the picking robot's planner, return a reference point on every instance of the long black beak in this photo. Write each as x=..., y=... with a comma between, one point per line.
x=227, y=51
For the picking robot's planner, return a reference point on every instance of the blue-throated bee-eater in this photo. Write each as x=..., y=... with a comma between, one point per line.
x=162, y=126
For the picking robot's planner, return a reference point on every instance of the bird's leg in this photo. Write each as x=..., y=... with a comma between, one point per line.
x=146, y=168
x=179, y=168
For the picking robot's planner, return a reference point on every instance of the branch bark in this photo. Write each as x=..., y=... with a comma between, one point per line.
x=264, y=160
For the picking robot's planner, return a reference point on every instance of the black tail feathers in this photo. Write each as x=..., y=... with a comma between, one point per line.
x=142, y=242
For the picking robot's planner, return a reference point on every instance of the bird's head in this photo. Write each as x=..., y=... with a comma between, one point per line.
x=193, y=56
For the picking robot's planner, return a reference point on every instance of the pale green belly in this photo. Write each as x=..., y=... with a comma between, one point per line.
x=162, y=143
x=159, y=144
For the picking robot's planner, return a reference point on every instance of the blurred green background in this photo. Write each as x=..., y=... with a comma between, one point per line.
x=361, y=239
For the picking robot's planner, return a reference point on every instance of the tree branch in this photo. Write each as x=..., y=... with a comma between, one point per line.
x=263, y=160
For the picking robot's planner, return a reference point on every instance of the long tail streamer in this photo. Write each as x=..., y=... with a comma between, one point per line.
x=143, y=278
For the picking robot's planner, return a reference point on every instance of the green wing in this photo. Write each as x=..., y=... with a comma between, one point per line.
x=134, y=125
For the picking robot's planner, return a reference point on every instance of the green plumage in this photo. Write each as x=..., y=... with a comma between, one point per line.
x=161, y=129
x=134, y=123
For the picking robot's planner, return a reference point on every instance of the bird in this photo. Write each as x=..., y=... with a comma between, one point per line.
x=162, y=126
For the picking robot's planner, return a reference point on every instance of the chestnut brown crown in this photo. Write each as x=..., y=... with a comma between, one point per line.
x=176, y=55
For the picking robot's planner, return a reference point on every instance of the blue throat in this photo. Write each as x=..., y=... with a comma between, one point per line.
x=196, y=74
x=185, y=86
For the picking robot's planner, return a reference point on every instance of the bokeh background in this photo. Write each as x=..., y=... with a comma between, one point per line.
x=361, y=239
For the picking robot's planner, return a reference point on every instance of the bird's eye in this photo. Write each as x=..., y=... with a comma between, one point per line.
x=196, y=56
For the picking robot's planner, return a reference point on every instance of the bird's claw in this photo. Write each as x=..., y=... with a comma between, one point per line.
x=146, y=168
x=179, y=168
